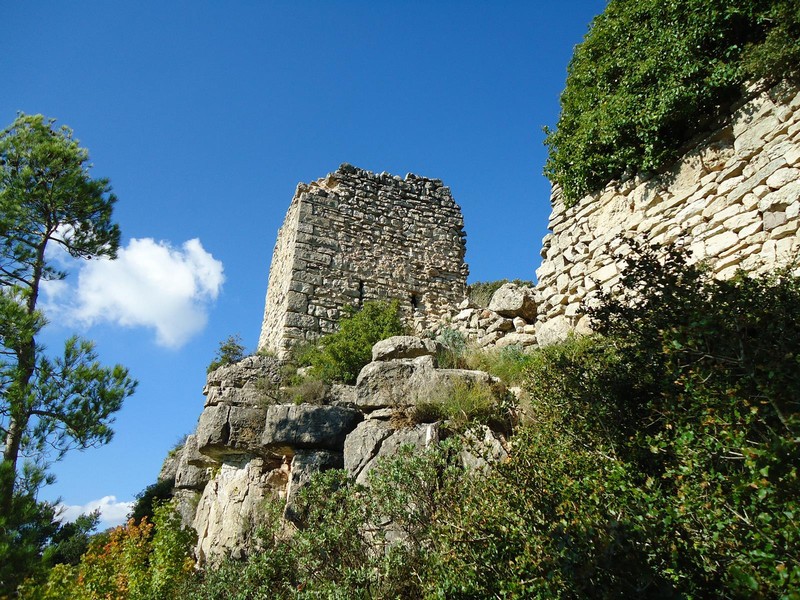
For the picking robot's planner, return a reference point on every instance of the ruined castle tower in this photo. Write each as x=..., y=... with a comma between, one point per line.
x=355, y=236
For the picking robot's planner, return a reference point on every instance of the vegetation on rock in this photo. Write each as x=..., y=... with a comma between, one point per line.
x=651, y=74
x=480, y=292
x=340, y=356
x=148, y=560
x=231, y=350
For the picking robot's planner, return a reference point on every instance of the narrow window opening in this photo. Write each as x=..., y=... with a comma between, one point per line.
x=414, y=301
x=361, y=293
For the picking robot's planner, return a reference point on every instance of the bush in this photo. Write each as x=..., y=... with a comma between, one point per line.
x=148, y=560
x=231, y=350
x=340, y=356
x=452, y=349
x=651, y=75
x=150, y=497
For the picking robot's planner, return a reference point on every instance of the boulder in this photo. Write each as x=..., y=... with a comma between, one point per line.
x=482, y=447
x=451, y=377
x=552, y=330
x=225, y=430
x=288, y=427
x=363, y=444
x=402, y=346
x=189, y=475
x=501, y=324
x=232, y=506
x=243, y=382
x=341, y=394
x=518, y=339
x=170, y=465
x=391, y=383
x=513, y=300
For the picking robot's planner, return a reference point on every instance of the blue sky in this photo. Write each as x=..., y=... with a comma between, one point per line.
x=206, y=115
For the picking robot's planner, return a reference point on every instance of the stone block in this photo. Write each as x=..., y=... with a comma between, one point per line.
x=392, y=382
x=229, y=430
x=288, y=427
x=403, y=346
x=512, y=300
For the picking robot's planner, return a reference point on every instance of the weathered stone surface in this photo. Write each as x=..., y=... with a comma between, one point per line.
x=305, y=464
x=170, y=465
x=290, y=426
x=374, y=439
x=513, y=300
x=185, y=502
x=192, y=470
x=729, y=199
x=552, y=331
x=393, y=382
x=340, y=394
x=403, y=346
x=243, y=382
x=224, y=430
x=518, y=339
x=503, y=325
x=231, y=506
x=444, y=378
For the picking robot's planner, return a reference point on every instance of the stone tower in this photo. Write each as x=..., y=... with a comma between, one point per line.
x=355, y=236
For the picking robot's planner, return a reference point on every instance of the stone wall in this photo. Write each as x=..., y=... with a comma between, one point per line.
x=355, y=236
x=734, y=200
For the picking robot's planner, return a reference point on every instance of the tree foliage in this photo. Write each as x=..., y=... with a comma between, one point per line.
x=652, y=74
x=48, y=405
x=149, y=560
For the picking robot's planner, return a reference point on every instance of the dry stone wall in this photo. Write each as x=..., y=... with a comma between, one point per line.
x=355, y=236
x=734, y=200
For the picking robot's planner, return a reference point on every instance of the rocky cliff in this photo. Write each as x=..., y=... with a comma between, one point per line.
x=250, y=447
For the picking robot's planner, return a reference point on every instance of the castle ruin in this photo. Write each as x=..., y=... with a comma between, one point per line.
x=355, y=236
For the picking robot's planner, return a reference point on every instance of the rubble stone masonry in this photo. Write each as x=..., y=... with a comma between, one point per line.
x=734, y=200
x=355, y=236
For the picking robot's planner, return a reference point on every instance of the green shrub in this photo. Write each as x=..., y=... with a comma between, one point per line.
x=650, y=75
x=140, y=561
x=460, y=403
x=340, y=356
x=231, y=350
x=309, y=390
x=150, y=497
x=451, y=349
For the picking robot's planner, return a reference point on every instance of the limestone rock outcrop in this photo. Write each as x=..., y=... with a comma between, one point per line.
x=249, y=449
x=403, y=346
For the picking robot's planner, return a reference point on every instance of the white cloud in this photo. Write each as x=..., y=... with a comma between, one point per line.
x=150, y=284
x=112, y=512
